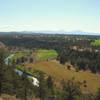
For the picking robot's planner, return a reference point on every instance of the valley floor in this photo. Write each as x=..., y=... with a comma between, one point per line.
x=59, y=72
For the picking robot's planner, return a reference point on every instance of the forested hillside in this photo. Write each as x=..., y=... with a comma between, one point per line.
x=49, y=67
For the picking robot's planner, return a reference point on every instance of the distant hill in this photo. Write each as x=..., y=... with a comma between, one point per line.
x=51, y=32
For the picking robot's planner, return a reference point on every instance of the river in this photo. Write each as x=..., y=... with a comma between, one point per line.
x=35, y=81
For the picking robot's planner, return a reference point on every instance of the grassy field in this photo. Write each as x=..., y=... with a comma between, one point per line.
x=59, y=72
x=46, y=54
x=96, y=42
x=20, y=54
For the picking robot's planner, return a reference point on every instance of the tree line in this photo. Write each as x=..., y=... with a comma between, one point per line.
x=81, y=60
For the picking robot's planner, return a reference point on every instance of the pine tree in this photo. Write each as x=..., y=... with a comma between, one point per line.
x=2, y=66
x=98, y=94
x=50, y=82
x=50, y=87
x=42, y=89
x=71, y=90
x=25, y=89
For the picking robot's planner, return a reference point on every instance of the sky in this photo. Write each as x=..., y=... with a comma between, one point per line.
x=50, y=15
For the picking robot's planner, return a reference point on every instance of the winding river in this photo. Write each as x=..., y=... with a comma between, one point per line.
x=35, y=81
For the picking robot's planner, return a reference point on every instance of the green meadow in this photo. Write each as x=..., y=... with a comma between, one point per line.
x=96, y=43
x=45, y=54
x=20, y=54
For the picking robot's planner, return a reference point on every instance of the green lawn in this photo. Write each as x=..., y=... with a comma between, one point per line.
x=96, y=42
x=46, y=54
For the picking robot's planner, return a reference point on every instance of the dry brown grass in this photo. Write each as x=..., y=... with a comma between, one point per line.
x=8, y=97
x=60, y=72
x=0, y=98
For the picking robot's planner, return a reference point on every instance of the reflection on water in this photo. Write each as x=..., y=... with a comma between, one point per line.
x=19, y=72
